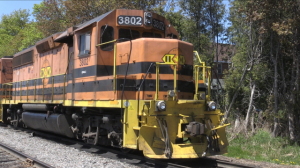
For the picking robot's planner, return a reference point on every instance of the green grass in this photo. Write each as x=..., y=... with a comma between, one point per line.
x=262, y=147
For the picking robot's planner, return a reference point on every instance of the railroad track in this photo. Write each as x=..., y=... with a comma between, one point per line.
x=136, y=158
x=11, y=158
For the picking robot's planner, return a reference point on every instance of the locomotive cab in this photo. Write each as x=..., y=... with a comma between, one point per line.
x=122, y=79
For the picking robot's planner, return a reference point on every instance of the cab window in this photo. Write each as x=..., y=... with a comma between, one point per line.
x=125, y=33
x=85, y=44
x=151, y=34
x=107, y=34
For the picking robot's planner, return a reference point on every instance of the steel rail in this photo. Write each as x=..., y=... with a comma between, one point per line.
x=36, y=162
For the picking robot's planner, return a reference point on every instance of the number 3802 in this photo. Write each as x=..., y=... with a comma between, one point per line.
x=130, y=20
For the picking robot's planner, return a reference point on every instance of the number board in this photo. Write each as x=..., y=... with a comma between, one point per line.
x=158, y=24
x=130, y=20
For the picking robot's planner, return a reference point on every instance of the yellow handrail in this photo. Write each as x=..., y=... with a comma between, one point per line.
x=5, y=93
x=15, y=92
x=64, y=89
x=34, y=90
x=157, y=79
x=21, y=82
x=21, y=91
x=43, y=89
x=27, y=91
x=52, y=89
x=106, y=43
x=204, y=78
x=196, y=52
x=9, y=91
x=115, y=53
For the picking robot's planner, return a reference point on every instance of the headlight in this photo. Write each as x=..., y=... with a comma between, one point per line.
x=147, y=22
x=161, y=106
x=171, y=93
x=211, y=105
x=148, y=18
x=148, y=14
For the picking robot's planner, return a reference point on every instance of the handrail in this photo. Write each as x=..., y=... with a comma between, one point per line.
x=21, y=91
x=34, y=99
x=64, y=89
x=5, y=93
x=43, y=89
x=157, y=79
x=204, y=79
x=196, y=67
x=11, y=84
x=106, y=43
x=10, y=88
x=115, y=53
x=27, y=90
x=196, y=52
x=52, y=89
x=15, y=92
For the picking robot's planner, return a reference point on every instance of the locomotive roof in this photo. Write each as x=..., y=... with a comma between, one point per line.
x=87, y=23
x=82, y=25
x=52, y=35
x=24, y=51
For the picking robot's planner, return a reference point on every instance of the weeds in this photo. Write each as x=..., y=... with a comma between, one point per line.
x=262, y=147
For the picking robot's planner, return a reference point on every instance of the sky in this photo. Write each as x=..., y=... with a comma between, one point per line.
x=8, y=6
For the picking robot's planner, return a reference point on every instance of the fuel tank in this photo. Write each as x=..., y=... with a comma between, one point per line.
x=35, y=107
x=54, y=123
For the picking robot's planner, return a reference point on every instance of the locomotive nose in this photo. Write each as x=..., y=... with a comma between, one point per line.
x=165, y=54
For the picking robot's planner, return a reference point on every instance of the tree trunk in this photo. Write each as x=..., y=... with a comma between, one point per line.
x=291, y=125
x=274, y=133
x=237, y=120
x=259, y=123
x=252, y=120
x=250, y=104
x=235, y=95
x=294, y=92
x=249, y=64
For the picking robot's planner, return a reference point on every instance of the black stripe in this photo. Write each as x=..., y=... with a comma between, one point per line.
x=85, y=71
x=142, y=67
x=39, y=82
x=107, y=85
x=134, y=68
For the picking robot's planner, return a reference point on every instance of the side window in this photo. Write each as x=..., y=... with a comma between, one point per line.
x=151, y=34
x=107, y=33
x=125, y=33
x=85, y=44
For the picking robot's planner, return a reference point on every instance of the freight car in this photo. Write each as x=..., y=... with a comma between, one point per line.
x=123, y=79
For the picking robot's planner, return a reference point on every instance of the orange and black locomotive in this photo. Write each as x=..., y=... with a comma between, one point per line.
x=122, y=79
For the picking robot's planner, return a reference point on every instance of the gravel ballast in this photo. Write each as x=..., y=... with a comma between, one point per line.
x=55, y=154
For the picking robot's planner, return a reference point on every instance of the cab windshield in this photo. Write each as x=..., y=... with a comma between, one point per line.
x=134, y=34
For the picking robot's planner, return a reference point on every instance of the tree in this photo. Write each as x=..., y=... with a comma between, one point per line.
x=57, y=15
x=17, y=32
x=275, y=24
